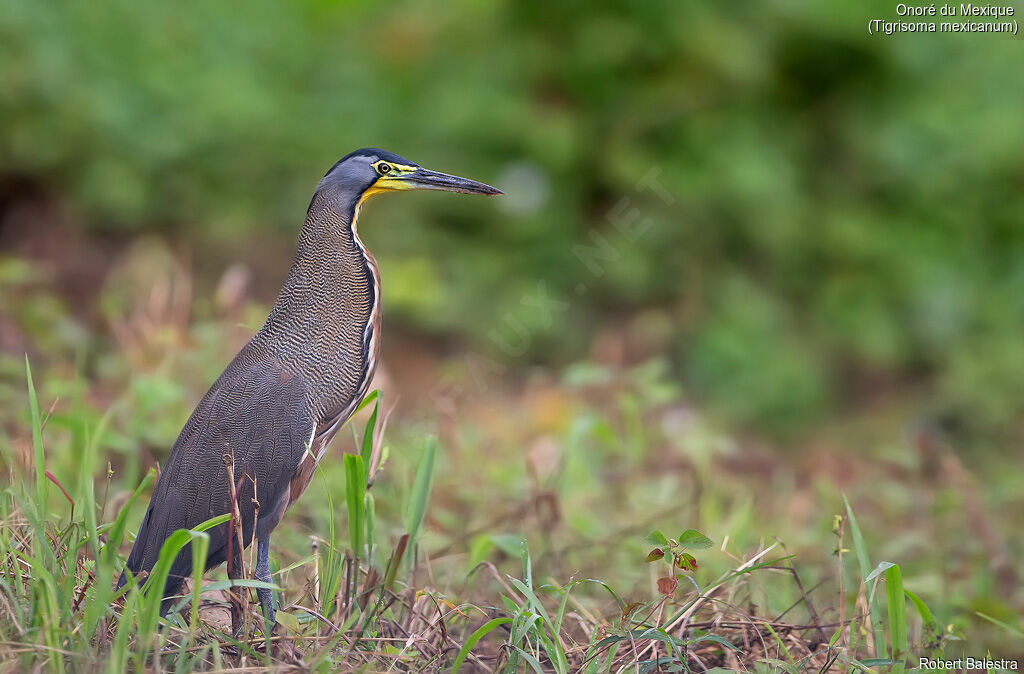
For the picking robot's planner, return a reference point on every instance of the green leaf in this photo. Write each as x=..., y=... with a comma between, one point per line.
x=476, y=636
x=370, y=510
x=879, y=570
x=897, y=604
x=932, y=632
x=94, y=609
x=835, y=637
x=670, y=664
x=781, y=664
x=370, y=397
x=789, y=666
x=691, y=538
x=877, y=662
x=110, y=550
x=371, y=424
x=37, y=441
x=1015, y=631
x=922, y=609
x=417, y=510
x=686, y=562
x=714, y=638
x=153, y=591
x=289, y=622
x=479, y=548
x=212, y=522
x=656, y=538
x=355, y=492
x=862, y=559
x=117, y=660
x=295, y=565
x=530, y=660
x=200, y=547
x=552, y=645
x=511, y=544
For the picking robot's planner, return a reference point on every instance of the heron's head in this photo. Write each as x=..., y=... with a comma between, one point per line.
x=370, y=171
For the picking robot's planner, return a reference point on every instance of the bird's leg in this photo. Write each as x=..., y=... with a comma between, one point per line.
x=266, y=595
x=234, y=595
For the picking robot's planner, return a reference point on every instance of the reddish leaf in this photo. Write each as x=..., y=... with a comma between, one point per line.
x=667, y=586
x=686, y=562
x=655, y=554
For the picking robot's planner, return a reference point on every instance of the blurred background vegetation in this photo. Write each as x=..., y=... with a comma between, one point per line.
x=839, y=267
x=846, y=216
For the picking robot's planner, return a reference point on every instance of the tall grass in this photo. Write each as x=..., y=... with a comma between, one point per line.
x=59, y=561
x=60, y=570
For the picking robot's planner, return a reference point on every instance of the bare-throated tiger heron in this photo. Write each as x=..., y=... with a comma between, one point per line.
x=272, y=413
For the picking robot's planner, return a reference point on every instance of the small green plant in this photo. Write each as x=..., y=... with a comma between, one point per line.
x=673, y=552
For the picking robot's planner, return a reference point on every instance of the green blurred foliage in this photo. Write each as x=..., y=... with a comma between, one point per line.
x=845, y=208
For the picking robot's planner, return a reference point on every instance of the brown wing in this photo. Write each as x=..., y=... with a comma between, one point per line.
x=259, y=415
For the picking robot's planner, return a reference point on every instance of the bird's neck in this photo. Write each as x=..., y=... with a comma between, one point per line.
x=329, y=234
x=330, y=302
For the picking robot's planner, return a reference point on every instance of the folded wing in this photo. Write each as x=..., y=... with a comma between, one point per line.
x=256, y=416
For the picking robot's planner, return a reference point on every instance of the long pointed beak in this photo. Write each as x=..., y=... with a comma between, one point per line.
x=425, y=179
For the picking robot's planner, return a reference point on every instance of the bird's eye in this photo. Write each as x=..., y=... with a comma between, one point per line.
x=383, y=168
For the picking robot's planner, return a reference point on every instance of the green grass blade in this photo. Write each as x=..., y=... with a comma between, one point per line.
x=530, y=660
x=781, y=644
x=117, y=661
x=897, y=605
x=370, y=397
x=116, y=535
x=566, y=590
x=787, y=667
x=922, y=608
x=1017, y=632
x=37, y=441
x=46, y=588
x=417, y=508
x=367, y=445
x=863, y=560
x=370, y=515
x=553, y=646
x=330, y=562
x=476, y=636
x=295, y=565
x=86, y=487
x=103, y=591
x=152, y=595
x=932, y=628
x=200, y=547
x=355, y=496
